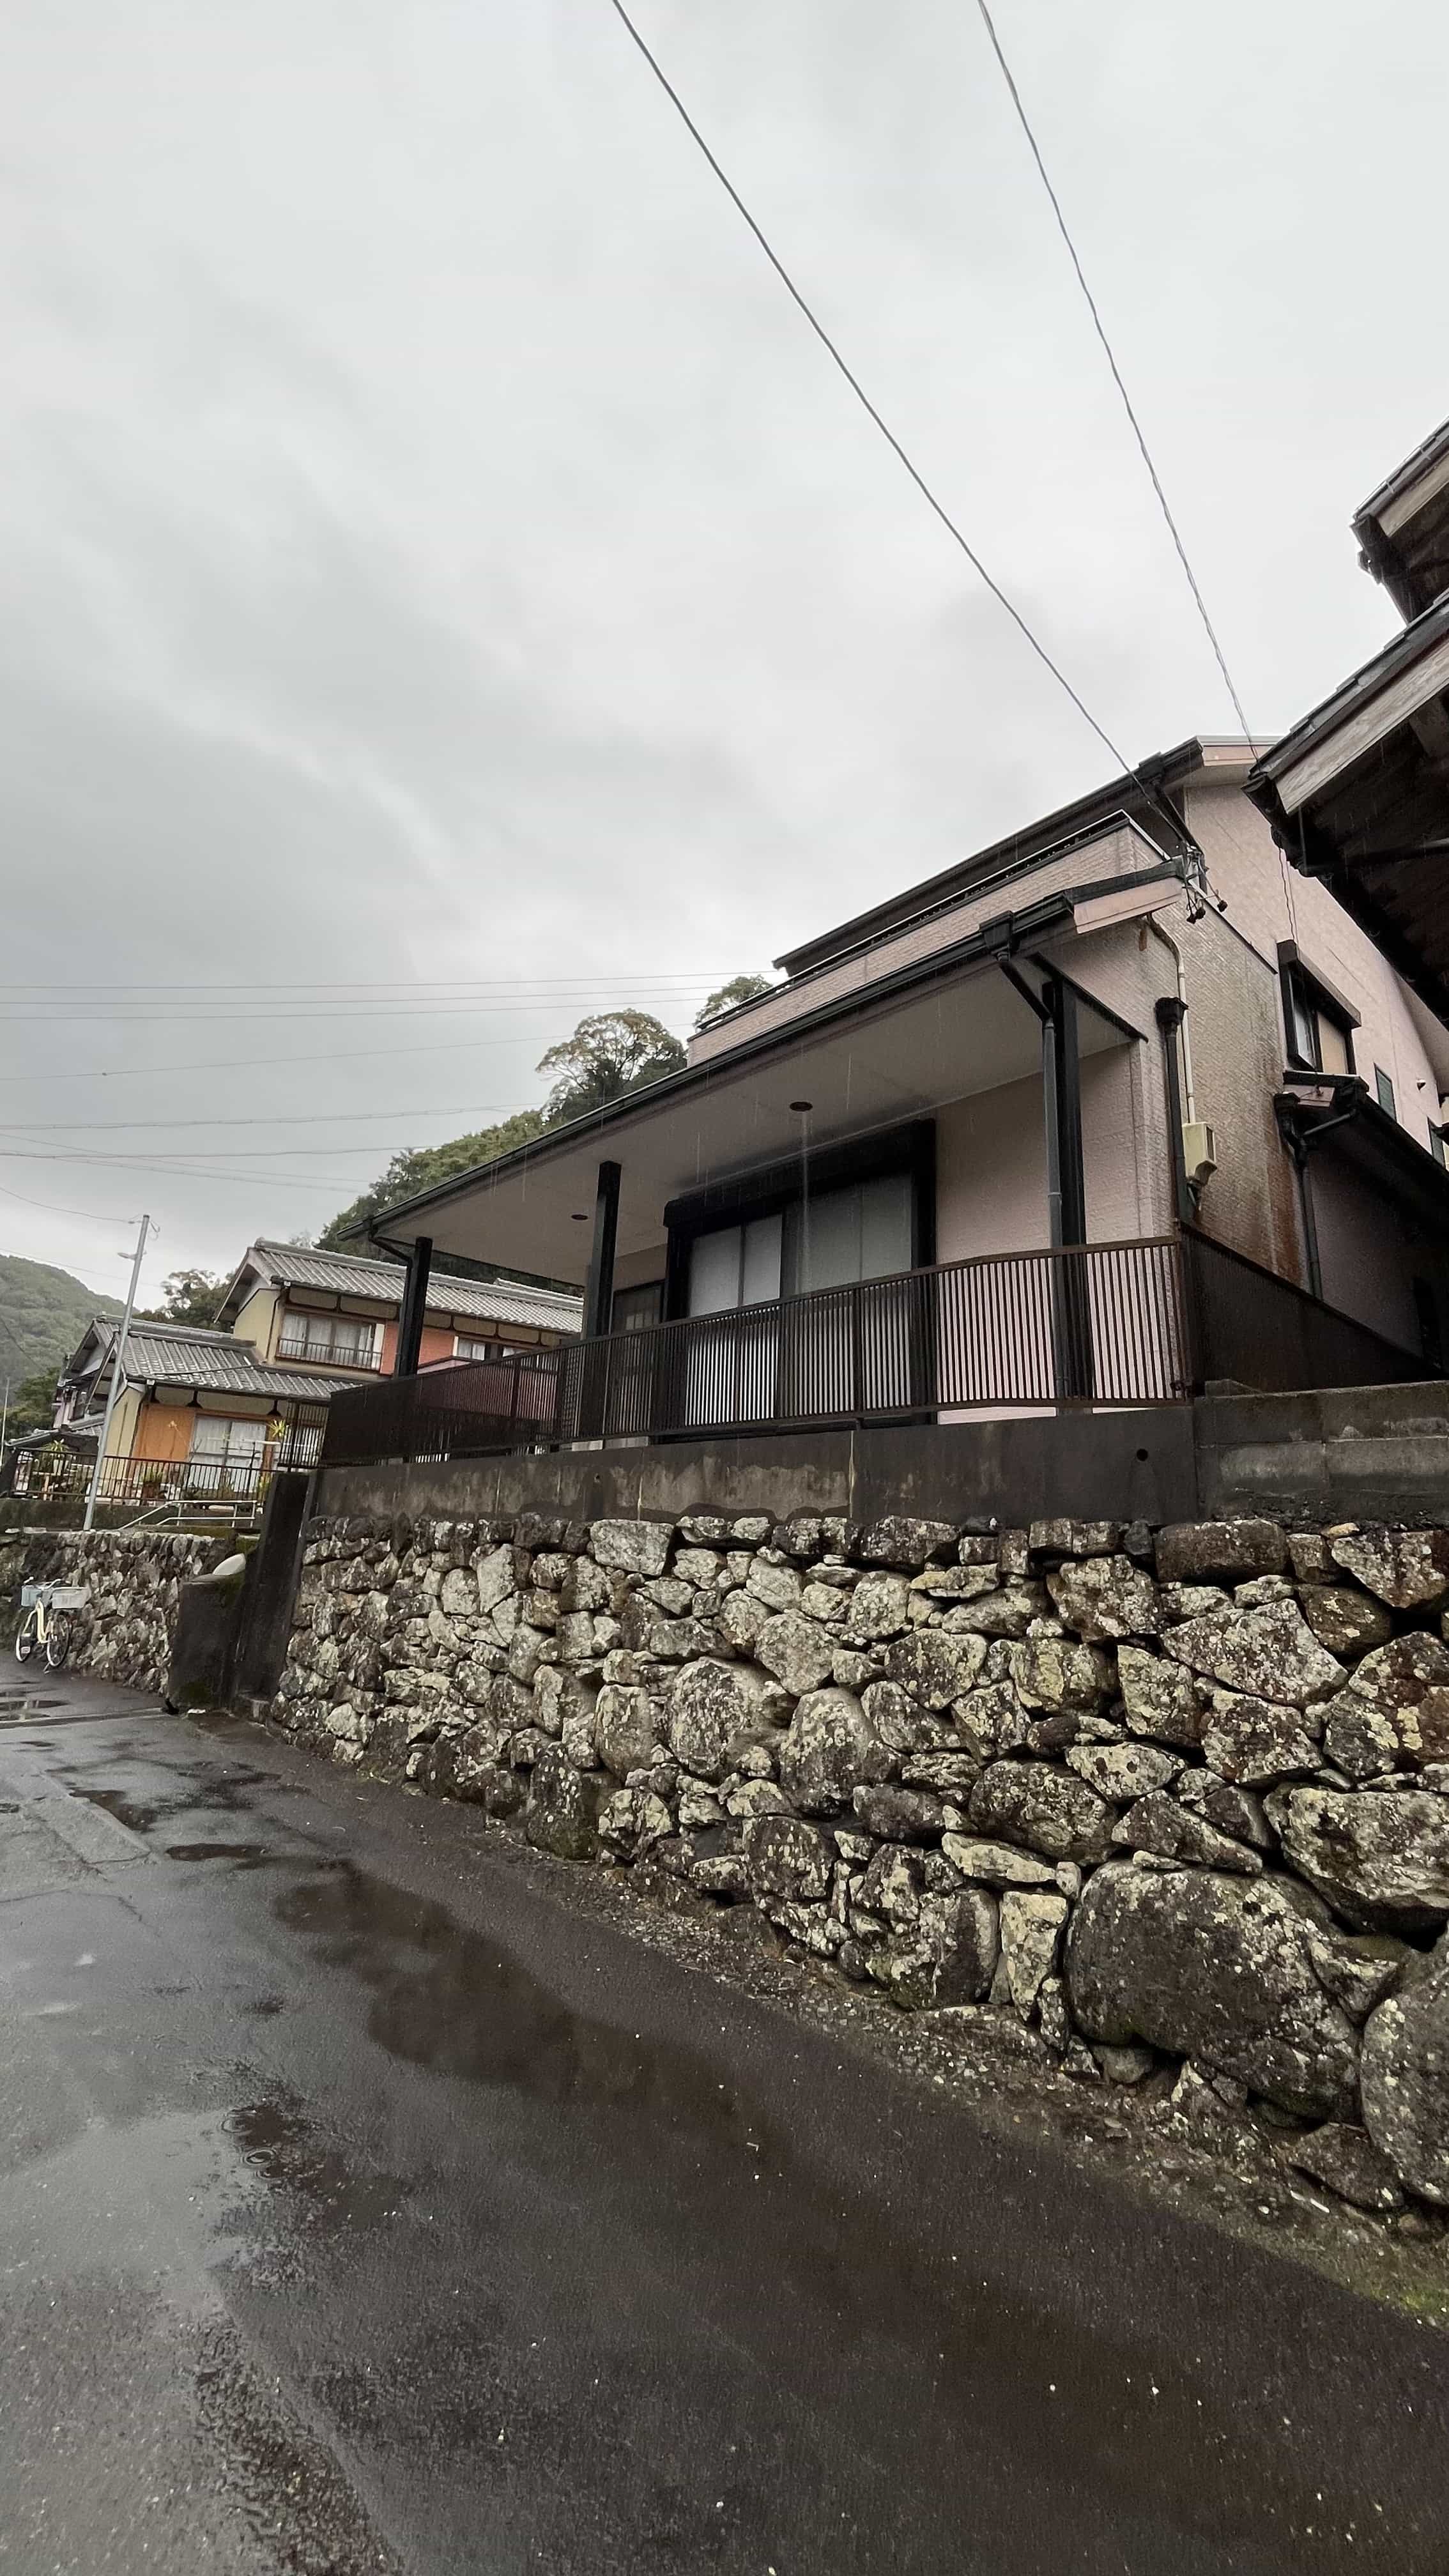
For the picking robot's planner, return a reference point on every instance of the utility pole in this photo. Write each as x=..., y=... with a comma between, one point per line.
x=4, y=1416
x=118, y=1361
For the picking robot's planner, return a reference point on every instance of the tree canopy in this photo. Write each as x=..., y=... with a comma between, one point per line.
x=187, y=1297
x=607, y=1055
x=740, y=988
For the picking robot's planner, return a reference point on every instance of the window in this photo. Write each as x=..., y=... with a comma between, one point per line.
x=863, y=1232
x=1437, y=1146
x=1319, y=1031
x=343, y=1341
x=636, y=1307
x=1385, y=1090
x=467, y=1346
x=736, y=1265
x=226, y=1454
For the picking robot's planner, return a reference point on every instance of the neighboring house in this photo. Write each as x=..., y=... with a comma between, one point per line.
x=338, y=1311
x=199, y=1413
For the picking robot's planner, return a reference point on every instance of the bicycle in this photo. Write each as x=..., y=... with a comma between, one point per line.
x=47, y=1622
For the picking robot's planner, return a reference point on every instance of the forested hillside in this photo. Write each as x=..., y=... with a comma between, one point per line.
x=43, y=1313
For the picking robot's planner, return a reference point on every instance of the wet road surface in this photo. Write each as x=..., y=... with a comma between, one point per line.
x=365, y=2206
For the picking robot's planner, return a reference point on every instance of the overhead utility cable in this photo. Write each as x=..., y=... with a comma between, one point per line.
x=887, y=433
x=1127, y=404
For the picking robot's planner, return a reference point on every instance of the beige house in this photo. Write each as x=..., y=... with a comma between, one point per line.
x=338, y=1311
x=199, y=1415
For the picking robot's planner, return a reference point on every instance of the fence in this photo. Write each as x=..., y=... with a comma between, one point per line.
x=1092, y=1324
x=144, y=1484
x=1258, y=1330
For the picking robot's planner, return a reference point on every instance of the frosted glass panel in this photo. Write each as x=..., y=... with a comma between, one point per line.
x=714, y=1271
x=760, y=1269
x=830, y=1239
x=885, y=1226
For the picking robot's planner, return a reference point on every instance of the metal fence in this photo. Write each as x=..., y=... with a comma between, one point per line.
x=145, y=1484
x=1255, y=1329
x=1093, y=1324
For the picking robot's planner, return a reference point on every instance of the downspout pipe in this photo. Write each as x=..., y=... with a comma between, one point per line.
x=1189, y=1105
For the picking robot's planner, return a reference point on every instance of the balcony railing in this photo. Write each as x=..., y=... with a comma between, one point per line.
x=1094, y=1324
x=295, y=1343
x=1110, y=1325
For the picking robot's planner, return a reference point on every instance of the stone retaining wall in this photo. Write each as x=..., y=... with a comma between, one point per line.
x=135, y=1580
x=1177, y=1802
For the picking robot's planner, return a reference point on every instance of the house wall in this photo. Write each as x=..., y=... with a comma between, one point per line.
x=123, y=1423
x=1268, y=901
x=1113, y=853
x=257, y=1320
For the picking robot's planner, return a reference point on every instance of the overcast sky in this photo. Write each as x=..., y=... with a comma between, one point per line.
x=434, y=547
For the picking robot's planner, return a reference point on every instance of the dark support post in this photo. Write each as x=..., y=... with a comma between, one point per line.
x=1061, y=1076
x=414, y=1307
x=1170, y=1014
x=599, y=1303
x=599, y=1294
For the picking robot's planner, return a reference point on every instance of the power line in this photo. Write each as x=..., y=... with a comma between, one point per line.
x=1127, y=404
x=887, y=433
x=53, y=1210
x=256, y=1064
x=261, y=1118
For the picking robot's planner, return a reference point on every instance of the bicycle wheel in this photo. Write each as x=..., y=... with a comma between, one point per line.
x=25, y=1636
x=57, y=1639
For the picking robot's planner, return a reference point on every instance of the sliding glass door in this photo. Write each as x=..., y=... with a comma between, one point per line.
x=841, y=1353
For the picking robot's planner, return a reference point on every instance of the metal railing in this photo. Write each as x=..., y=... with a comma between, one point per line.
x=295, y=1344
x=1254, y=1328
x=1092, y=1324
x=144, y=1484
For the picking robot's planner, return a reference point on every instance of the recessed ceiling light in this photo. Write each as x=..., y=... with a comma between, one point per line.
x=802, y=1104
x=581, y=1216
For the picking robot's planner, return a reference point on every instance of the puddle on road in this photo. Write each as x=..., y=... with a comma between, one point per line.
x=277, y=2141
x=217, y=1851
x=445, y=1998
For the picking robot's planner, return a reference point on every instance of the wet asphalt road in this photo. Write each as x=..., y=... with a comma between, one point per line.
x=364, y=2206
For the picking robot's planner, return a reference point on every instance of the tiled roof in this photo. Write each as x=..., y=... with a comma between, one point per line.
x=184, y=1355
x=348, y=1274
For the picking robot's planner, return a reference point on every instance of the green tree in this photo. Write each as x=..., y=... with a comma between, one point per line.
x=187, y=1297
x=422, y=1168
x=740, y=988
x=32, y=1404
x=606, y=1056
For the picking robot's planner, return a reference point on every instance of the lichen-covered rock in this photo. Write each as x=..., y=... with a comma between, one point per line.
x=1215, y=1969
x=948, y=1957
x=1056, y=1673
x=1394, y=1713
x=1345, y=2160
x=1007, y=1612
x=880, y=1606
x=1073, y=1538
x=710, y=1708
x=891, y=1886
x=826, y=1750
x=1404, y=2079
x=1220, y=1551
x=1123, y=1770
x=778, y=1586
x=1406, y=1568
x=993, y=1720
x=903, y=1815
x=899, y=1540
x=1032, y=1924
x=1345, y=1621
x=899, y=1722
x=996, y=1864
x=795, y=1649
x=626, y=1728
x=1257, y=1741
x=562, y=1814
x=632, y=1547
x=1237, y=1812
x=934, y=1666
x=1378, y=1856
x=1160, y=1700
x=633, y=1819
x=1164, y=1826
x=786, y=1858
x=1268, y=1653
x=1106, y=1597
x=496, y=1573
x=1049, y=1810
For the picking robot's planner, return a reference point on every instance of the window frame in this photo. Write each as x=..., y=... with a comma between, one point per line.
x=309, y=1318
x=1302, y=992
x=1385, y=1094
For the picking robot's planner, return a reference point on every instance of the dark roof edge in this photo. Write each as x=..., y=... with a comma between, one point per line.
x=1162, y=770
x=999, y=937
x=1427, y=453
x=1401, y=651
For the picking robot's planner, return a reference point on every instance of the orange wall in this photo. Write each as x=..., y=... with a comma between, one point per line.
x=437, y=1344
